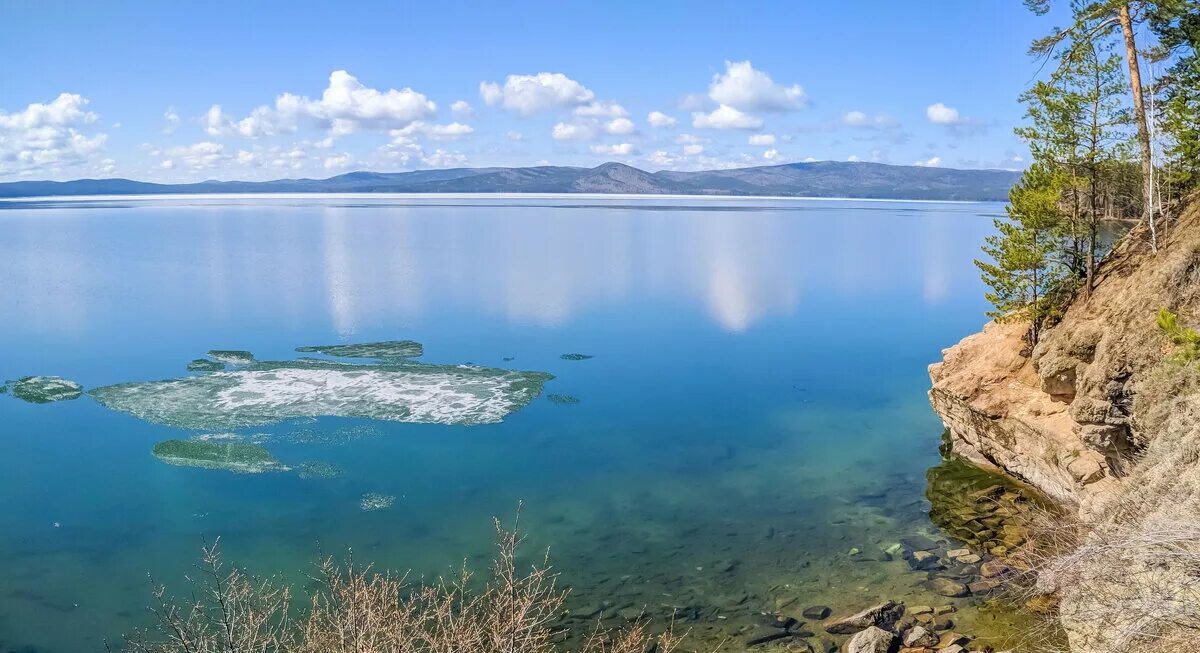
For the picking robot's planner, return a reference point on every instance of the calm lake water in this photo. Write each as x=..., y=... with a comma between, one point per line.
x=754, y=406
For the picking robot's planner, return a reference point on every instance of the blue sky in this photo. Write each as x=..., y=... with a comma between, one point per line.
x=258, y=90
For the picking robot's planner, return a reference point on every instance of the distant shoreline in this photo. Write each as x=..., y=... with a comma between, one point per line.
x=467, y=196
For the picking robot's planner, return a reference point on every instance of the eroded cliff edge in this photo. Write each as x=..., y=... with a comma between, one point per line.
x=1096, y=418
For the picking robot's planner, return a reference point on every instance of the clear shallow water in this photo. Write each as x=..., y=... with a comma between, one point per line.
x=755, y=406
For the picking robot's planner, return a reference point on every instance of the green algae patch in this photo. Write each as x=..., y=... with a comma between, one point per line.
x=984, y=510
x=562, y=399
x=372, y=501
x=46, y=389
x=576, y=357
x=318, y=469
x=267, y=392
x=379, y=350
x=218, y=453
x=205, y=365
x=232, y=357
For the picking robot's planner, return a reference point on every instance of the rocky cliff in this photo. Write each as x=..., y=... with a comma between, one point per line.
x=1097, y=419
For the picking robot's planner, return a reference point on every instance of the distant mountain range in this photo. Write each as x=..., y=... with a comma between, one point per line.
x=817, y=179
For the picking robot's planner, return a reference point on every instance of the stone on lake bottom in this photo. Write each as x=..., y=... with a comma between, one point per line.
x=884, y=615
x=946, y=587
x=231, y=356
x=871, y=640
x=228, y=454
x=377, y=350
x=575, y=357
x=816, y=612
x=372, y=501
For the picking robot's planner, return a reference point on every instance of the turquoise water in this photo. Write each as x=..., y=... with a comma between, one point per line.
x=754, y=408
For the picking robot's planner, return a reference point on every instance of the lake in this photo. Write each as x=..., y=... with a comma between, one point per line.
x=749, y=404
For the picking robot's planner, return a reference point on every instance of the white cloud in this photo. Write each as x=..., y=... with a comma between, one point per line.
x=746, y=89
x=47, y=137
x=516, y=136
x=932, y=162
x=771, y=154
x=529, y=94
x=450, y=132
x=338, y=162
x=940, y=114
x=565, y=131
x=762, y=139
x=601, y=109
x=725, y=117
x=106, y=166
x=663, y=158
x=660, y=120
x=167, y=165
x=345, y=106
x=198, y=156
x=443, y=159
x=462, y=109
x=810, y=159
x=688, y=139
x=853, y=158
x=247, y=158
x=171, y=119
x=692, y=150
x=620, y=126
x=619, y=149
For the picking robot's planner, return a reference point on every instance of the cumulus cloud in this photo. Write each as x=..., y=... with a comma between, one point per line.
x=567, y=131
x=660, y=120
x=620, y=126
x=932, y=162
x=198, y=156
x=762, y=139
x=338, y=162
x=940, y=114
x=746, y=89
x=618, y=149
x=443, y=159
x=47, y=137
x=516, y=136
x=346, y=106
x=725, y=117
x=771, y=154
x=601, y=109
x=861, y=120
x=462, y=109
x=450, y=132
x=171, y=120
x=693, y=149
x=530, y=94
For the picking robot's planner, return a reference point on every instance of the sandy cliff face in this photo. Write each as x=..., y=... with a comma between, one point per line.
x=1061, y=417
x=1095, y=418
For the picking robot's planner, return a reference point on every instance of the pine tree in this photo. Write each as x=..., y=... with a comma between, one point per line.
x=1025, y=279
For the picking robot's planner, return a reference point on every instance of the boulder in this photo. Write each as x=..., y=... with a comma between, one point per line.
x=871, y=640
x=946, y=587
x=884, y=615
x=919, y=637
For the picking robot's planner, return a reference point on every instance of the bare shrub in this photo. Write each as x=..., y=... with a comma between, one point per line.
x=355, y=609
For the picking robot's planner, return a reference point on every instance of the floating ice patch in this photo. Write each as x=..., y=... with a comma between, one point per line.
x=218, y=453
x=381, y=350
x=575, y=357
x=231, y=357
x=375, y=501
x=267, y=392
x=45, y=389
x=205, y=365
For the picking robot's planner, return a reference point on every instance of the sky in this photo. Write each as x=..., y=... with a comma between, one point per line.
x=176, y=92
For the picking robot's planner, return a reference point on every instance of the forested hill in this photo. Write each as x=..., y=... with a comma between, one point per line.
x=817, y=179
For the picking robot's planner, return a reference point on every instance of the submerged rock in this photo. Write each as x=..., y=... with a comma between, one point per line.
x=316, y=469
x=871, y=640
x=563, y=399
x=575, y=357
x=45, y=389
x=218, y=453
x=380, y=350
x=266, y=392
x=816, y=612
x=372, y=501
x=205, y=365
x=231, y=356
x=884, y=615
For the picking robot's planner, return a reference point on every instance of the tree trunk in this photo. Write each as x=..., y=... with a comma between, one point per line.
x=1139, y=110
